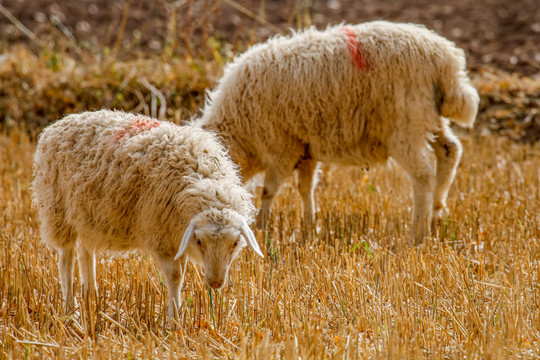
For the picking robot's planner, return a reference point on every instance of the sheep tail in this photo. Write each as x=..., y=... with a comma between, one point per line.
x=459, y=101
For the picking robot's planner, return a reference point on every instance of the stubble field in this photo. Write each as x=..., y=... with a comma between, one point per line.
x=349, y=288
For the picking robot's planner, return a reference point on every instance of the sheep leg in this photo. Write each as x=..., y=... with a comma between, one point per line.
x=65, y=269
x=272, y=182
x=87, y=270
x=173, y=272
x=422, y=208
x=307, y=180
x=417, y=163
x=448, y=151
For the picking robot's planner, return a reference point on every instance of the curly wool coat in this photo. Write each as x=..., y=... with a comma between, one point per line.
x=117, y=181
x=352, y=95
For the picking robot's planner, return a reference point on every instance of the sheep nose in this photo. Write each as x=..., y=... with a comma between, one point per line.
x=215, y=284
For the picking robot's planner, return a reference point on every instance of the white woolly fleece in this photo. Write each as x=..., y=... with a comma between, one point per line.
x=307, y=89
x=127, y=181
x=350, y=94
x=116, y=181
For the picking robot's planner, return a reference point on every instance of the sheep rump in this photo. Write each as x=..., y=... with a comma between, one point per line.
x=116, y=181
x=352, y=95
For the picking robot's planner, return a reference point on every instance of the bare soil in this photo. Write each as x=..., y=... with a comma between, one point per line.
x=503, y=33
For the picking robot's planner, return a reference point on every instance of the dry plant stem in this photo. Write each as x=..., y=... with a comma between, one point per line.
x=252, y=15
x=122, y=29
x=162, y=102
x=20, y=25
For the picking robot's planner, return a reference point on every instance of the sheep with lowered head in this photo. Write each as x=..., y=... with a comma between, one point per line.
x=352, y=95
x=117, y=181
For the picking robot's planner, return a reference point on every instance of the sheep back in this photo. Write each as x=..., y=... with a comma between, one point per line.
x=121, y=181
x=343, y=92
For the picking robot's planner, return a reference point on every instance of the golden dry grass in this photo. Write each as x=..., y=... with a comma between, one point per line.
x=350, y=289
x=37, y=89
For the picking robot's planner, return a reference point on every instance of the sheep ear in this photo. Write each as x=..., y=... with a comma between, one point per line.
x=188, y=234
x=250, y=238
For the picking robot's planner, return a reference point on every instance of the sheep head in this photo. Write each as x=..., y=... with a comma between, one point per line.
x=213, y=239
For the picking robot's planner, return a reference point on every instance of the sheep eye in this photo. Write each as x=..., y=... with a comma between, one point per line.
x=199, y=243
x=235, y=244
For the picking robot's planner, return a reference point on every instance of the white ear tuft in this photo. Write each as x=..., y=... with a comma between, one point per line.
x=188, y=234
x=250, y=238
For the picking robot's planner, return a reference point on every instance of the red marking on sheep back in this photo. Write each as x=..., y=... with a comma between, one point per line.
x=140, y=124
x=143, y=123
x=355, y=49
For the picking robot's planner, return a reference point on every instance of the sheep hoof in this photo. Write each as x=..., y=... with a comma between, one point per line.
x=415, y=240
x=419, y=233
x=440, y=213
x=439, y=210
x=308, y=221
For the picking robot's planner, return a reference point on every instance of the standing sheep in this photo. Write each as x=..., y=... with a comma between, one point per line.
x=352, y=95
x=116, y=181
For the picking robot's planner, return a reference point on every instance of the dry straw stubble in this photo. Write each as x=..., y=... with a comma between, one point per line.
x=347, y=289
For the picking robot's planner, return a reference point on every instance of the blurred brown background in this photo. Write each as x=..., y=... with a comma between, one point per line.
x=503, y=33
x=90, y=54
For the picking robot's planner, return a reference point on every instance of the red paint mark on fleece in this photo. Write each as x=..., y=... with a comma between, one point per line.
x=140, y=124
x=355, y=49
